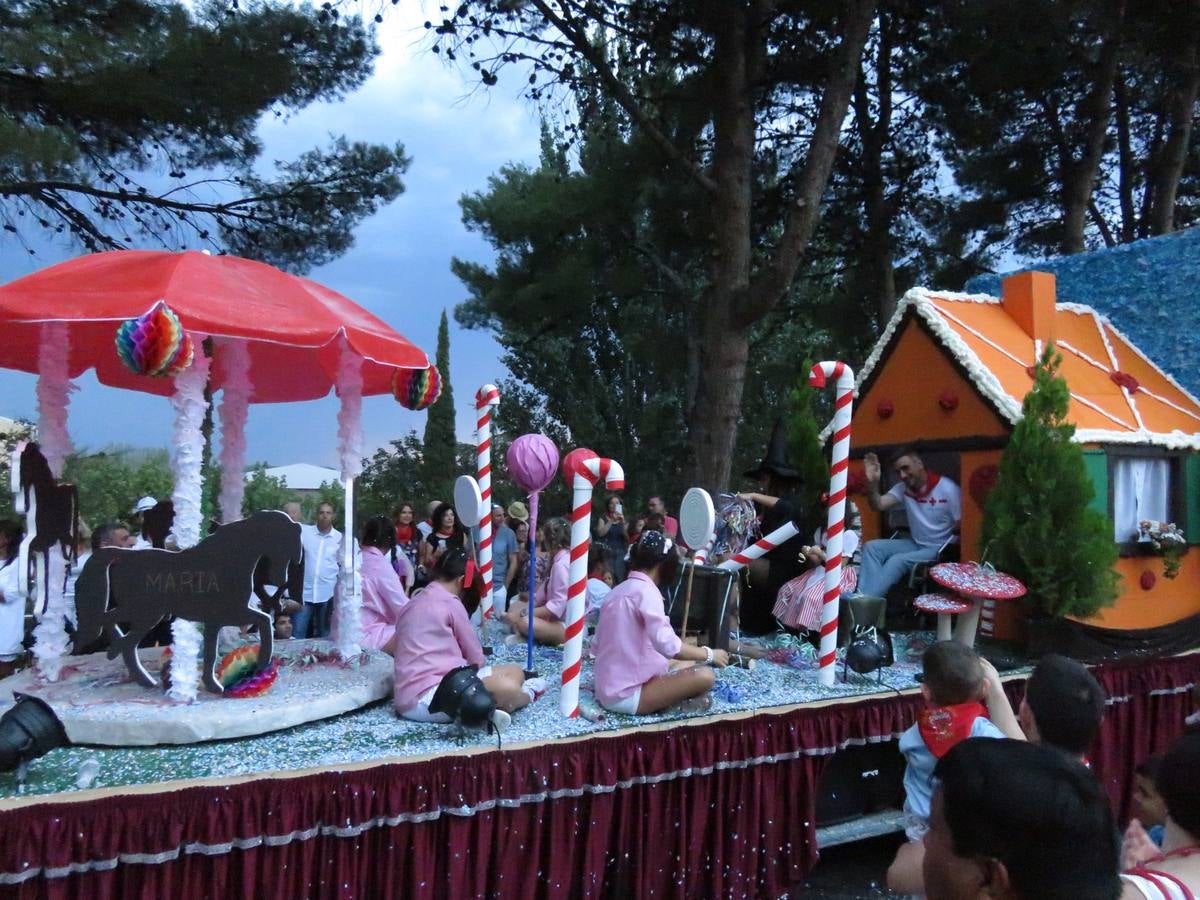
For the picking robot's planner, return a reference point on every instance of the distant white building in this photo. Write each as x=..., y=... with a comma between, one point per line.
x=304, y=478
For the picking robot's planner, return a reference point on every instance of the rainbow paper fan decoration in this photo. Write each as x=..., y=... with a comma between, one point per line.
x=236, y=672
x=416, y=388
x=155, y=343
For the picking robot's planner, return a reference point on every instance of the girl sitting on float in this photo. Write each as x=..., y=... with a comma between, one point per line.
x=383, y=593
x=798, y=603
x=550, y=601
x=641, y=664
x=434, y=636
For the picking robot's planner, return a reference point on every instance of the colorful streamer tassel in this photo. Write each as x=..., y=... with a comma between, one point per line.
x=237, y=674
x=417, y=388
x=155, y=343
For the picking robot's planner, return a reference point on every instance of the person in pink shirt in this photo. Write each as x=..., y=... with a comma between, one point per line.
x=550, y=601
x=434, y=636
x=641, y=664
x=382, y=592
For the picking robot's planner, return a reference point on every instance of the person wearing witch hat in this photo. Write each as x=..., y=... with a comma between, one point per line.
x=778, y=502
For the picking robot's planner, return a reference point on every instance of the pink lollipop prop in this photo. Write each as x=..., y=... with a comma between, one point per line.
x=532, y=461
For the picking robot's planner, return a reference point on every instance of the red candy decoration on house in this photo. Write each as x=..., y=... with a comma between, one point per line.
x=1148, y=580
x=948, y=400
x=885, y=408
x=1125, y=380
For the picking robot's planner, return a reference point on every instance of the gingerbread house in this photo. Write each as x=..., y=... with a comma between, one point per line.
x=948, y=376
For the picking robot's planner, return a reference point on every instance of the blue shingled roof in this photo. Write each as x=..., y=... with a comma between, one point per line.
x=1149, y=289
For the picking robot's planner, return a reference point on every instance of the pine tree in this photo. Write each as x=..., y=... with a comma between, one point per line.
x=1037, y=524
x=804, y=443
x=439, y=465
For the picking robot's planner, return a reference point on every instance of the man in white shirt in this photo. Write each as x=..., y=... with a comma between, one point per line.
x=426, y=527
x=933, y=504
x=322, y=546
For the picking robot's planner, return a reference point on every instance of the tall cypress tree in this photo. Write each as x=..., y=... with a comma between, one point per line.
x=440, y=440
x=1037, y=524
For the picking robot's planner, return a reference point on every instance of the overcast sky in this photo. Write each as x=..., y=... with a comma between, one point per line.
x=399, y=268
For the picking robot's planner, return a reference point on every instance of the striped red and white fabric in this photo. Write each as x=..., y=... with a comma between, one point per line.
x=799, y=602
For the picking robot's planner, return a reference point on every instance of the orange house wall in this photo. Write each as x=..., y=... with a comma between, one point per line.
x=916, y=373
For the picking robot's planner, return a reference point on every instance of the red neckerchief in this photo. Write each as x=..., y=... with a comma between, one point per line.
x=942, y=727
x=931, y=480
x=404, y=533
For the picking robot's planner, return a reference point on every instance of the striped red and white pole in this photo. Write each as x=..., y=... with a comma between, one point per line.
x=700, y=557
x=486, y=399
x=588, y=473
x=835, y=520
x=761, y=547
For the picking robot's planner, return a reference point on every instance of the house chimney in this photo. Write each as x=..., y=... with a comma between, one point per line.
x=1028, y=297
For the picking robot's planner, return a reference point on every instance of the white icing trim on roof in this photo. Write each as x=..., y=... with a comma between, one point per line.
x=1175, y=440
x=1077, y=308
x=921, y=300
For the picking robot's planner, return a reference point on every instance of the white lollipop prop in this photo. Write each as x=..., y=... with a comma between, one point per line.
x=697, y=521
x=468, y=502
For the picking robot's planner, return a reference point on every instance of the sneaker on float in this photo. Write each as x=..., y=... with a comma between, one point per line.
x=534, y=687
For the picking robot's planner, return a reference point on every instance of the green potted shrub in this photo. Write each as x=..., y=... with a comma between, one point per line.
x=1038, y=525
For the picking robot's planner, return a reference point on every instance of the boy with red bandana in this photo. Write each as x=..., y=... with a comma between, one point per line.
x=964, y=699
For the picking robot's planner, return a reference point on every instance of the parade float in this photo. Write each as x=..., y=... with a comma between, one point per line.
x=366, y=804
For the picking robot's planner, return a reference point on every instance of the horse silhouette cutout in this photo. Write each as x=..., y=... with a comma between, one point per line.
x=51, y=517
x=125, y=593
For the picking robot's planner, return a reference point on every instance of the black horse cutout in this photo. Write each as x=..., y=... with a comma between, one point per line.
x=125, y=593
x=52, y=517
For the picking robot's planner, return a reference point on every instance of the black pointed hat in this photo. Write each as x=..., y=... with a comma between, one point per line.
x=776, y=460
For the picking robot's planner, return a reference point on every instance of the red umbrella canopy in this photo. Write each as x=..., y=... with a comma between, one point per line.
x=291, y=325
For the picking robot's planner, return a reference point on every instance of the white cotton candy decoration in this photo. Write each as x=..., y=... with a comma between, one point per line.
x=50, y=635
x=350, y=440
x=349, y=388
x=235, y=402
x=186, y=641
x=54, y=394
x=347, y=610
x=188, y=402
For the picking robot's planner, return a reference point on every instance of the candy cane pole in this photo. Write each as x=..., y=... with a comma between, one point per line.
x=835, y=521
x=486, y=398
x=587, y=474
x=761, y=547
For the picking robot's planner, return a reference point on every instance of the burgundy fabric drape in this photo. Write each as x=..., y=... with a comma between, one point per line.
x=715, y=809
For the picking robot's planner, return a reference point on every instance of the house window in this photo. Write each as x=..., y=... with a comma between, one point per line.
x=1142, y=488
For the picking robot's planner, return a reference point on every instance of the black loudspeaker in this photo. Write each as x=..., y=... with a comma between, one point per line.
x=712, y=589
x=858, y=781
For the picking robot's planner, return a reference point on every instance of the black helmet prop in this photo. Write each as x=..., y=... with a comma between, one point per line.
x=464, y=698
